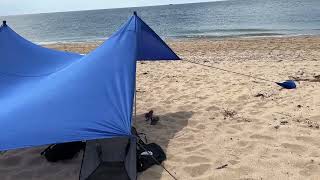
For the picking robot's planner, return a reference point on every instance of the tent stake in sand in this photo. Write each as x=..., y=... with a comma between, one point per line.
x=288, y=84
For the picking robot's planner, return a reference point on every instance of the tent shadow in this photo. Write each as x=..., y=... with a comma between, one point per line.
x=167, y=128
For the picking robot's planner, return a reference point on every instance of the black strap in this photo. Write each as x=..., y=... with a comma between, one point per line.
x=84, y=152
x=145, y=137
x=99, y=151
x=49, y=147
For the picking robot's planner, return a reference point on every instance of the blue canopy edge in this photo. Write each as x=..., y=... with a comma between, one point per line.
x=151, y=46
x=49, y=96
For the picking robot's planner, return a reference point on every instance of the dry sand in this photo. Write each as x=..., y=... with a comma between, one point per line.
x=210, y=118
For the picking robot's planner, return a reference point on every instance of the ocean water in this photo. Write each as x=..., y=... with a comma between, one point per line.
x=234, y=18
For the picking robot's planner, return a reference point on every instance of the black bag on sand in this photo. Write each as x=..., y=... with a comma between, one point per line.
x=146, y=155
x=63, y=151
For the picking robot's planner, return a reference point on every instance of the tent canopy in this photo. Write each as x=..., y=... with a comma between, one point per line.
x=50, y=96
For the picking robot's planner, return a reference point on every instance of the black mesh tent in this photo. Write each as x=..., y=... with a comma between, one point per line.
x=109, y=159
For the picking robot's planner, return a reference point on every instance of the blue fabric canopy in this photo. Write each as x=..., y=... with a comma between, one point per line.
x=50, y=96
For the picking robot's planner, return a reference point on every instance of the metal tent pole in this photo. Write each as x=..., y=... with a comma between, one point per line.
x=135, y=87
x=135, y=104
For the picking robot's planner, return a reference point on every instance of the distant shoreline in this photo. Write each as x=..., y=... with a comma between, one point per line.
x=208, y=44
x=181, y=39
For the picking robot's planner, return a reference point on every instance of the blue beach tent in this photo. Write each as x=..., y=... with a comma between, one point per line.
x=49, y=96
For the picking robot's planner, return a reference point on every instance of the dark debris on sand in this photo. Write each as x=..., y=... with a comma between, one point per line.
x=229, y=113
x=223, y=166
x=315, y=78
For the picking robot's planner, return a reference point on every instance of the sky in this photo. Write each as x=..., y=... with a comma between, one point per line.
x=14, y=7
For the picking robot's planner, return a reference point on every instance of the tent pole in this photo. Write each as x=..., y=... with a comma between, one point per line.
x=135, y=98
x=135, y=105
x=135, y=87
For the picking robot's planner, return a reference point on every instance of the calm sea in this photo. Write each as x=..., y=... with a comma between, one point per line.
x=235, y=18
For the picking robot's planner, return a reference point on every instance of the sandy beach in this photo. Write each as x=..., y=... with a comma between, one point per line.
x=214, y=124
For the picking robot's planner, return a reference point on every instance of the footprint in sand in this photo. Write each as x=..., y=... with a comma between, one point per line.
x=311, y=140
x=315, y=118
x=231, y=131
x=197, y=170
x=185, y=108
x=212, y=108
x=274, y=156
x=36, y=151
x=257, y=136
x=294, y=147
x=167, y=102
x=261, y=104
x=243, y=97
x=248, y=148
x=193, y=148
x=254, y=112
x=193, y=123
x=183, y=97
x=24, y=174
x=243, y=143
x=256, y=126
x=188, y=138
x=48, y=170
x=310, y=170
x=34, y=160
x=10, y=161
x=201, y=127
x=315, y=154
x=196, y=160
x=237, y=127
x=174, y=158
x=234, y=162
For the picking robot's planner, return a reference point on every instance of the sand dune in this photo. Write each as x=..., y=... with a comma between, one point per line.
x=210, y=118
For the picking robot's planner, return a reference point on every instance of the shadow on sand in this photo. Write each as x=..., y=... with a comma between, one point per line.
x=161, y=133
x=28, y=164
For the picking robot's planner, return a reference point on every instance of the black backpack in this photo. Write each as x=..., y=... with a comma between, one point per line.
x=149, y=155
x=63, y=151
